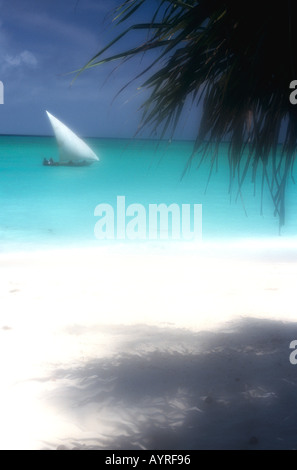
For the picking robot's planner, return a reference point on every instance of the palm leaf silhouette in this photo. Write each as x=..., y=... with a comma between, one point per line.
x=239, y=58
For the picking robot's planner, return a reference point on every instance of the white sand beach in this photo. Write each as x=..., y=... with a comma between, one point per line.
x=105, y=349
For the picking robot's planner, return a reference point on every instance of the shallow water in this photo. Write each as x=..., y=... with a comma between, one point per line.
x=52, y=207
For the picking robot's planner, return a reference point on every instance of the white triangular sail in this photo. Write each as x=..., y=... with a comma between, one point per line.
x=71, y=148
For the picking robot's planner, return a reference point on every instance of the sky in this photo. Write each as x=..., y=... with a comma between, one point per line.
x=42, y=42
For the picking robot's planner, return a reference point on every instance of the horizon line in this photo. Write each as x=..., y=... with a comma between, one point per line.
x=110, y=138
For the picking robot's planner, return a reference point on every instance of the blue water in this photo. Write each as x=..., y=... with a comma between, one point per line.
x=50, y=207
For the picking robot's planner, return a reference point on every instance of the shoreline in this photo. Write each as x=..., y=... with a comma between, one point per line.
x=214, y=246
x=240, y=275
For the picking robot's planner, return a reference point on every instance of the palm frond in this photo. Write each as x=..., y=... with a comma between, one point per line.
x=236, y=57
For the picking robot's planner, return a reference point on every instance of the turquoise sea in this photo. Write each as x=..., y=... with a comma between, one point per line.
x=52, y=207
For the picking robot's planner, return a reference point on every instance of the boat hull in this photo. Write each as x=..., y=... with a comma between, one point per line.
x=52, y=163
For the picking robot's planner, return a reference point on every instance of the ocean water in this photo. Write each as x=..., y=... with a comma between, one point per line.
x=53, y=207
